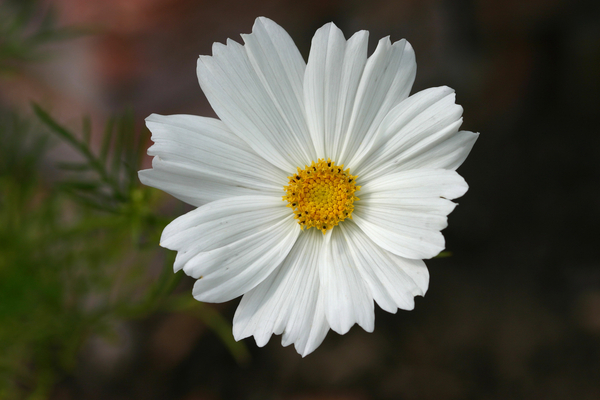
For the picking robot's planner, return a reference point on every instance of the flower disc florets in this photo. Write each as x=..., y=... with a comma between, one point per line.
x=321, y=194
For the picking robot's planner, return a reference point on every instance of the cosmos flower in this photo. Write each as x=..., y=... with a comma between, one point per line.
x=321, y=188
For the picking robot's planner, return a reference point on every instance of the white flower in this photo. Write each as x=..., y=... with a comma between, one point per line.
x=310, y=252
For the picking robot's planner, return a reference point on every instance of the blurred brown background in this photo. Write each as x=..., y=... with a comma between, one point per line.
x=513, y=314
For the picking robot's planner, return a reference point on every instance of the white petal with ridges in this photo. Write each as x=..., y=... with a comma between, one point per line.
x=386, y=81
x=405, y=211
x=220, y=223
x=331, y=82
x=393, y=281
x=231, y=245
x=427, y=121
x=287, y=302
x=257, y=91
x=448, y=154
x=199, y=160
x=346, y=297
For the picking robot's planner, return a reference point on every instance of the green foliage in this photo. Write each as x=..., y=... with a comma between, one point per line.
x=78, y=238
x=76, y=243
x=56, y=258
x=112, y=181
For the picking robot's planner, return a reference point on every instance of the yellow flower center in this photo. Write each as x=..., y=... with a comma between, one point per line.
x=321, y=195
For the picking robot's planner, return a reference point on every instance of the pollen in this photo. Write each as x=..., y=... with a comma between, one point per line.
x=321, y=195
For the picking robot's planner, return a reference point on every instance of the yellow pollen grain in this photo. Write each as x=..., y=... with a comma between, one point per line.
x=321, y=195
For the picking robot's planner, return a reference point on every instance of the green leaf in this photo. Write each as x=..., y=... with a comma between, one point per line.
x=80, y=185
x=213, y=319
x=106, y=139
x=54, y=126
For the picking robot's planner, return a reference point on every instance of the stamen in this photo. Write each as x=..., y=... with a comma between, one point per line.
x=321, y=195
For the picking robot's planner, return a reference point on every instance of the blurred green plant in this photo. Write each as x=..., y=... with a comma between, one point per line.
x=75, y=251
x=78, y=238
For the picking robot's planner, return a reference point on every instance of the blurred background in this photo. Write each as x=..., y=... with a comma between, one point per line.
x=90, y=308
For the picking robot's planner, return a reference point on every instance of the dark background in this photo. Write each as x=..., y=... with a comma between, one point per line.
x=513, y=314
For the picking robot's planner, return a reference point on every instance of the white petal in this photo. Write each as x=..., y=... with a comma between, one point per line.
x=231, y=245
x=287, y=301
x=256, y=90
x=449, y=154
x=331, y=81
x=199, y=160
x=220, y=223
x=318, y=328
x=393, y=281
x=386, y=81
x=405, y=211
x=346, y=297
x=413, y=128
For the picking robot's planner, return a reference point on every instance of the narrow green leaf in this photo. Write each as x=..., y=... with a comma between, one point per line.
x=107, y=139
x=80, y=146
x=138, y=152
x=90, y=202
x=218, y=324
x=117, y=160
x=79, y=185
x=54, y=126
